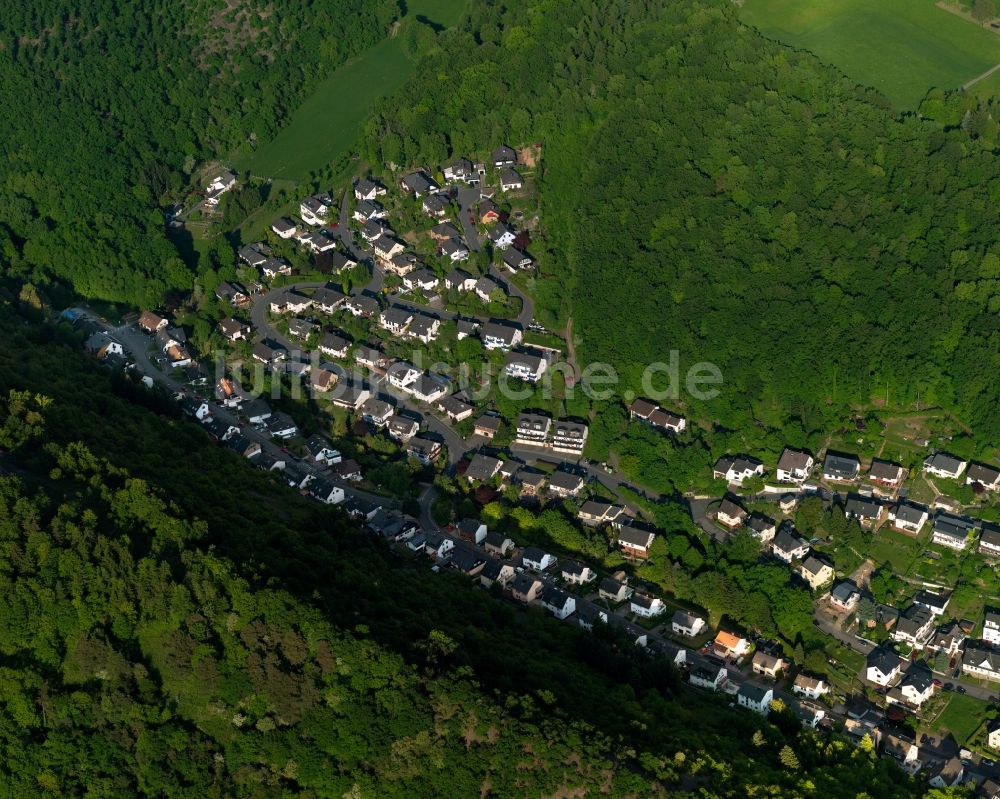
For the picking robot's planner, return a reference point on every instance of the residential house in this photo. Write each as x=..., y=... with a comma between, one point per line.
x=455, y=249
x=227, y=394
x=981, y=660
x=576, y=573
x=986, y=476
x=557, y=602
x=526, y=587
x=595, y=514
x=395, y=320
x=273, y=266
x=444, y=231
x=614, y=589
x=810, y=714
x=376, y=412
x=867, y=512
x=941, y=464
x=368, y=210
x=254, y=254
x=281, y=425
x=845, y=596
x=438, y=546
x=647, y=607
x=332, y=345
x=327, y=299
x=502, y=236
x=320, y=451
x=510, y=180
x=989, y=541
x=429, y=388
x=886, y=474
x=487, y=426
x=371, y=358
x=233, y=329
x=349, y=470
x=233, y=293
x=993, y=736
x=947, y=773
x=314, y=210
x=243, y=446
x=424, y=450
x=537, y=559
x=531, y=481
x=482, y=468
x=461, y=171
x=565, y=484
x=423, y=279
x=267, y=354
x=103, y=346
x=368, y=189
x=810, y=687
x=217, y=186
x=472, y=531
x=317, y=242
x=455, y=408
x=335, y=262
x=840, y=468
x=467, y=560
x=755, y=698
x=655, y=416
x=436, y=206
x=424, y=328
x=882, y=666
x=767, y=665
x=569, y=437
x=916, y=687
x=816, y=572
x=904, y=750
x=196, y=407
x=503, y=157
x=326, y=492
x=635, y=543
x=948, y=639
x=936, y=603
x=794, y=466
x=257, y=411
x=533, y=429
x=465, y=328
x=457, y=280
x=914, y=626
x=221, y=430
x=485, y=288
x=730, y=514
x=787, y=546
x=516, y=260
x=419, y=184
x=386, y=248
x=496, y=571
x=361, y=306
x=588, y=614
x=302, y=328
x=707, y=674
x=488, y=211
x=498, y=544
x=908, y=517
x=348, y=395
x=951, y=531
x=761, y=527
x=150, y=322
x=729, y=645
x=736, y=469
x=401, y=428
x=688, y=624
x=497, y=336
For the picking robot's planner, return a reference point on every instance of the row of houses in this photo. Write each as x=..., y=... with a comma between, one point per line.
x=536, y=430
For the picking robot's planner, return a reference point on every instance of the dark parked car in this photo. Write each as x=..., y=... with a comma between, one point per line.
x=948, y=686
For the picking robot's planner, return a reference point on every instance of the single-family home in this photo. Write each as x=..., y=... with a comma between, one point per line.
x=243, y=446
x=845, y=596
x=361, y=306
x=482, y=468
x=496, y=571
x=810, y=687
x=320, y=451
x=349, y=470
x=461, y=171
x=634, y=542
x=487, y=426
x=908, y=517
x=284, y=228
x=981, y=660
x=707, y=674
x=986, y=476
x=510, y=180
x=423, y=279
x=559, y=603
x=886, y=474
x=588, y=614
x=645, y=606
x=497, y=336
x=787, y=546
x=314, y=210
x=515, y=260
x=150, y=322
x=436, y=206
x=815, y=572
x=367, y=210
x=565, y=484
x=326, y=492
x=841, y=468
x=537, y=559
x=946, y=773
x=502, y=236
x=526, y=587
x=386, y=248
x=594, y=513
x=729, y=645
x=941, y=464
x=569, y=436
x=755, y=697
x=467, y=560
x=488, y=211
x=368, y=189
x=455, y=408
x=914, y=626
x=419, y=184
x=730, y=514
x=951, y=531
x=688, y=624
x=424, y=450
x=281, y=425
x=614, y=589
x=882, y=666
x=471, y=530
x=457, y=280
x=503, y=156
x=767, y=665
x=866, y=511
x=761, y=527
x=455, y=250
x=993, y=734
x=794, y=466
x=424, y=328
x=233, y=293
x=948, y=639
x=736, y=469
x=936, y=602
x=220, y=183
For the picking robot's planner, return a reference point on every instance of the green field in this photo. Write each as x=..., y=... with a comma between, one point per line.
x=901, y=47
x=327, y=124
x=962, y=716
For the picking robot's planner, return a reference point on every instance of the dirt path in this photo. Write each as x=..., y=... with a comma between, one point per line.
x=571, y=350
x=985, y=75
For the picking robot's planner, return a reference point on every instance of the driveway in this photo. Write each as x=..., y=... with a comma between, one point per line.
x=468, y=201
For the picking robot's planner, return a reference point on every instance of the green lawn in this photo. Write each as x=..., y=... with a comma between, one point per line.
x=896, y=549
x=901, y=47
x=962, y=716
x=327, y=124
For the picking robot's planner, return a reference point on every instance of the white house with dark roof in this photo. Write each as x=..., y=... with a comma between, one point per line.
x=755, y=698
x=737, y=468
x=314, y=210
x=688, y=624
x=986, y=476
x=810, y=687
x=845, y=596
x=761, y=527
x=981, y=660
x=951, y=531
x=886, y=474
x=368, y=189
x=525, y=366
x=730, y=513
x=647, y=607
x=914, y=627
x=866, y=511
x=576, y=573
x=635, y=543
x=787, y=546
x=883, y=666
x=496, y=336
x=794, y=466
x=841, y=468
x=537, y=559
x=989, y=541
x=941, y=464
x=559, y=603
x=908, y=517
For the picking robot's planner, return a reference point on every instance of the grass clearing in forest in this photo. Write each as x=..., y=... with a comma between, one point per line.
x=327, y=124
x=901, y=47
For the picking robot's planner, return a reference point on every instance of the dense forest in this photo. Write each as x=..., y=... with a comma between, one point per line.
x=107, y=106
x=716, y=193
x=178, y=624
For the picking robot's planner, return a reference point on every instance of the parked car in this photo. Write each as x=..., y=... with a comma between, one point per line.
x=949, y=686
